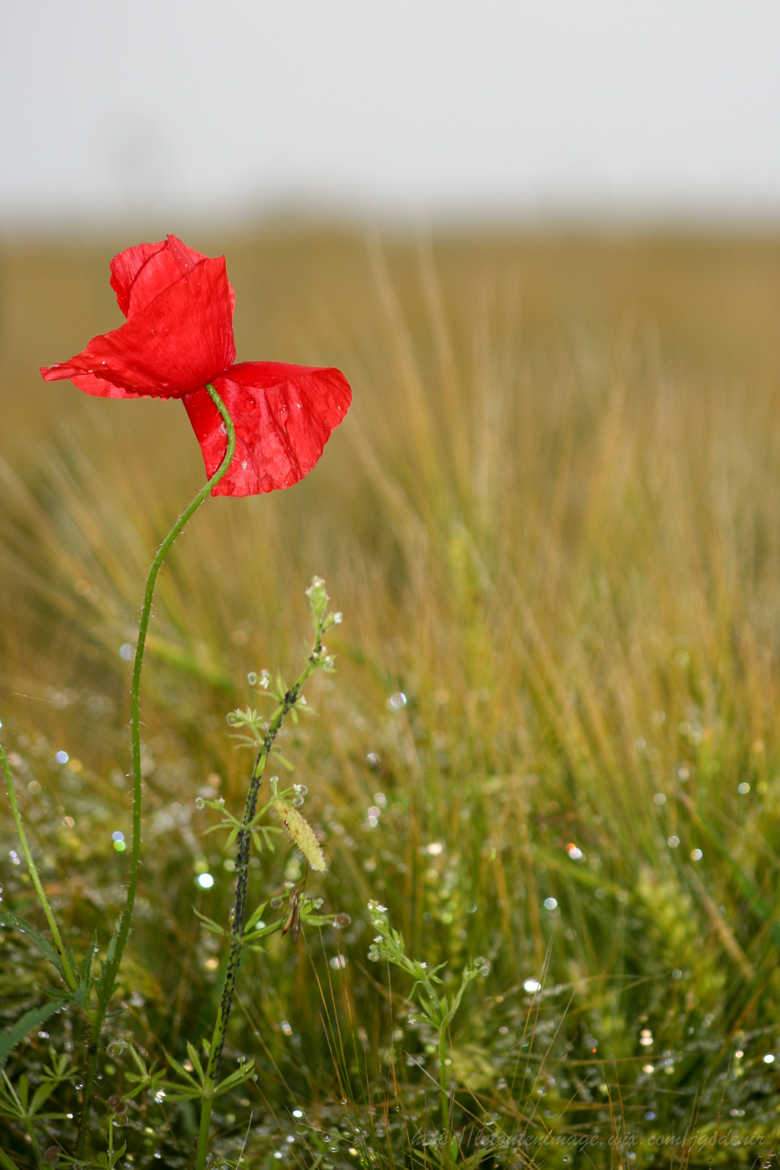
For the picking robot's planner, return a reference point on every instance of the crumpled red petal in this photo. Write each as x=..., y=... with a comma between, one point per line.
x=283, y=415
x=178, y=342
x=99, y=387
x=141, y=273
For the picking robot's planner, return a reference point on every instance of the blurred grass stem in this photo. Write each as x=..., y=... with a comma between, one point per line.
x=67, y=971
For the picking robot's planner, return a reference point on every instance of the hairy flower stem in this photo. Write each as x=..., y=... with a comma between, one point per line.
x=119, y=940
x=238, y=916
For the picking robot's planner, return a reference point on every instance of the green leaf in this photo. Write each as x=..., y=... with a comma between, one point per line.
x=241, y=1074
x=210, y=925
x=8, y=918
x=192, y=1052
x=32, y=1019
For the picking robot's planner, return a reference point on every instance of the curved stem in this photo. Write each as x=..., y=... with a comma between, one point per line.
x=66, y=969
x=119, y=940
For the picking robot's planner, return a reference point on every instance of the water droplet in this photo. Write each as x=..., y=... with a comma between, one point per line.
x=338, y=962
x=117, y=835
x=373, y=761
x=434, y=849
x=126, y=651
x=62, y=756
x=397, y=701
x=372, y=816
x=298, y=1113
x=551, y=904
x=673, y=841
x=286, y=1027
x=205, y=881
x=659, y=798
x=532, y=986
x=696, y=854
x=200, y=802
x=574, y=852
x=159, y=1096
x=251, y=678
x=15, y=858
x=768, y=1058
x=743, y=788
x=646, y=1038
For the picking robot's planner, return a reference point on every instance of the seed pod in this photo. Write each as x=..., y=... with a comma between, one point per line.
x=302, y=834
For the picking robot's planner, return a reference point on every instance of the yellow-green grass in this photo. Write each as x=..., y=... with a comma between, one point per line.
x=551, y=520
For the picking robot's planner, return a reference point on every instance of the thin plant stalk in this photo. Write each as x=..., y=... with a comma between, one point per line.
x=119, y=940
x=238, y=917
x=67, y=970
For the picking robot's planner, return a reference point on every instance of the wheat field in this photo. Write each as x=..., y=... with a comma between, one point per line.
x=552, y=522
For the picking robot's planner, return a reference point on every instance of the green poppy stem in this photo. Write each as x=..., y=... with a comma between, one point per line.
x=119, y=941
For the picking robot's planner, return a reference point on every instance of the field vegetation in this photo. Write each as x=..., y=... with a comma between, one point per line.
x=549, y=748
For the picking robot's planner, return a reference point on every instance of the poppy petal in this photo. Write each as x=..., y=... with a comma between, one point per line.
x=125, y=268
x=140, y=274
x=177, y=343
x=283, y=416
x=99, y=387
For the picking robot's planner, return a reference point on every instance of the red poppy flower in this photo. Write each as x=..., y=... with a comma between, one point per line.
x=178, y=336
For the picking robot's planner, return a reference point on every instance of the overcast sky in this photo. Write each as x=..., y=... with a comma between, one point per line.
x=185, y=107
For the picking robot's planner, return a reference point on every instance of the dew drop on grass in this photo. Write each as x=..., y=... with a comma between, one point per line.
x=62, y=756
x=126, y=651
x=159, y=1096
x=251, y=678
x=397, y=701
x=551, y=904
x=532, y=986
x=696, y=855
x=15, y=858
x=673, y=841
x=338, y=962
x=286, y=1027
x=297, y=1113
x=205, y=881
x=373, y=761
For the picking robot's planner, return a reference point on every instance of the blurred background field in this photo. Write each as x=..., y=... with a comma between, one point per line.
x=552, y=522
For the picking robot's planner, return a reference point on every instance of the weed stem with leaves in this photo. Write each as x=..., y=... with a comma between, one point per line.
x=318, y=659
